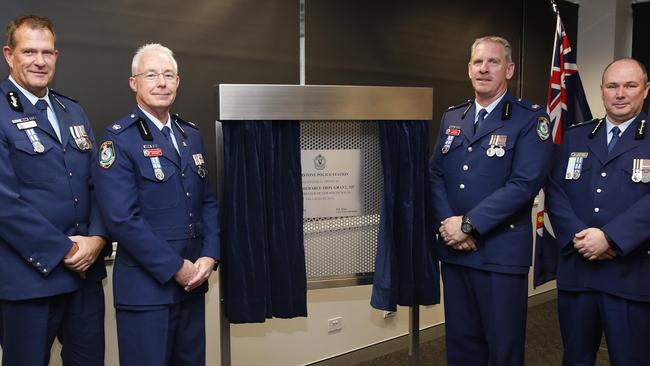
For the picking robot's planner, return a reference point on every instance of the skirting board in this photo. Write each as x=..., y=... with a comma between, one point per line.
x=401, y=342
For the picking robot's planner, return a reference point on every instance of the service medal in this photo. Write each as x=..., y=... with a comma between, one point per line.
x=641, y=170
x=450, y=139
x=574, y=165
x=80, y=137
x=155, y=164
x=500, y=143
x=38, y=147
x=200, y=164
x=490, y=151
x=159, y=174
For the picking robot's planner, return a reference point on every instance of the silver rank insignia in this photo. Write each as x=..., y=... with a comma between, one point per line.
x=574, y=166
x=497, y=146
x=106, y=154
x=80, y=137
x=200, y=164
x=641, y=170
x=116, y=126
x=451, y=133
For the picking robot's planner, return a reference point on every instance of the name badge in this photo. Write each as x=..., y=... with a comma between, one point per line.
x=152, y=152
x=25, y=125
x=574, y=165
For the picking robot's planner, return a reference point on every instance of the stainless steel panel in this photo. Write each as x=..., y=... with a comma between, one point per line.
x=323, y=102
x=339, y=251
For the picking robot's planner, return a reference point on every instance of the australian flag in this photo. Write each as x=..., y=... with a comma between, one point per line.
x=566, y=105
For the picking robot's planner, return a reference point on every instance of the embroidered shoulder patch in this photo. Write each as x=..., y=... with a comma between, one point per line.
x=106, y=154
x=543, y=128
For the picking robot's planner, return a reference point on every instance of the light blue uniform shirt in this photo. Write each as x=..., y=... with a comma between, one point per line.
x=54, y=121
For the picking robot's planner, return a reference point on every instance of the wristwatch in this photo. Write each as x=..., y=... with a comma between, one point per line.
x=466, y=226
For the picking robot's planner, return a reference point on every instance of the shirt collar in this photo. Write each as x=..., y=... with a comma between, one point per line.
x=621, y=126
x=156, y=121
x=489, y=108
x=31, y=97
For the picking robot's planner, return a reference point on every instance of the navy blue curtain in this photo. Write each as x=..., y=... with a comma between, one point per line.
x=263, y=247
x=406, y=269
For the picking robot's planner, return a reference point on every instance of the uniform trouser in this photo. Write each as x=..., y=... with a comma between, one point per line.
x=163, y=335
x=585, y=315
x=485, y=316
x=28, y=328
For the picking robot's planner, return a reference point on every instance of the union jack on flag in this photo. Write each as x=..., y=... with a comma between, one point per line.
x=566, y=105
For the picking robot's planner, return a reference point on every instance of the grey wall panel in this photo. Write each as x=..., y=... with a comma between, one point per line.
x=233, y=41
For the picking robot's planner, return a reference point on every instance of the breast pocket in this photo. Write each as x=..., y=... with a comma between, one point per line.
x=497, y=160
x=635, y=187
x=32, y=166
x=157, y=189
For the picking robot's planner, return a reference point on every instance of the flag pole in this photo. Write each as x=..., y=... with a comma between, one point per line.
x=554, y=6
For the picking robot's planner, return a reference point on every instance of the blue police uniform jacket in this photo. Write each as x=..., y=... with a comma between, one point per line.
x=157, y=205
x=45, y=196
x=496, y=193
x=603, y=195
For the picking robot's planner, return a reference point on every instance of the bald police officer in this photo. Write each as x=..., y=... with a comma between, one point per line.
x=154, y=193
x=492, y=157
x=51, y=234
x=599, y=203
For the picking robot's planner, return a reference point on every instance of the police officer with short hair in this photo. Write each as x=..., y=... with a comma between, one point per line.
x=492, y=157
x=599, y=203
x=51, y=233
x=154, y=193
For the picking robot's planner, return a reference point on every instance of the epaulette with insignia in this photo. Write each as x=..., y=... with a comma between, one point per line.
x=469, y=101
x=594, y=131
x=528, y=104
x=191, y=124
x=583, y=123
x=64, y=96
x=122, y=124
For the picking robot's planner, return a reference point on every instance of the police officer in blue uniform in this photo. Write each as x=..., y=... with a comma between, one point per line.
x=492, y=156
x=51, y=233
x=599, y=203
x=154, y=194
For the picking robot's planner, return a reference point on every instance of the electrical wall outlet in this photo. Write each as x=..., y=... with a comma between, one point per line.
x=335, y=324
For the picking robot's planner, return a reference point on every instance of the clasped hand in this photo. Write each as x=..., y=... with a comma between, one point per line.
x=593, y=245
x=453, y=236
x=192, y=275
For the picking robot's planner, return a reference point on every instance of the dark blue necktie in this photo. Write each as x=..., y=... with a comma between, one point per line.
x=41, y=105
x=167, y=132
x=615, y=132
x=481, y=117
